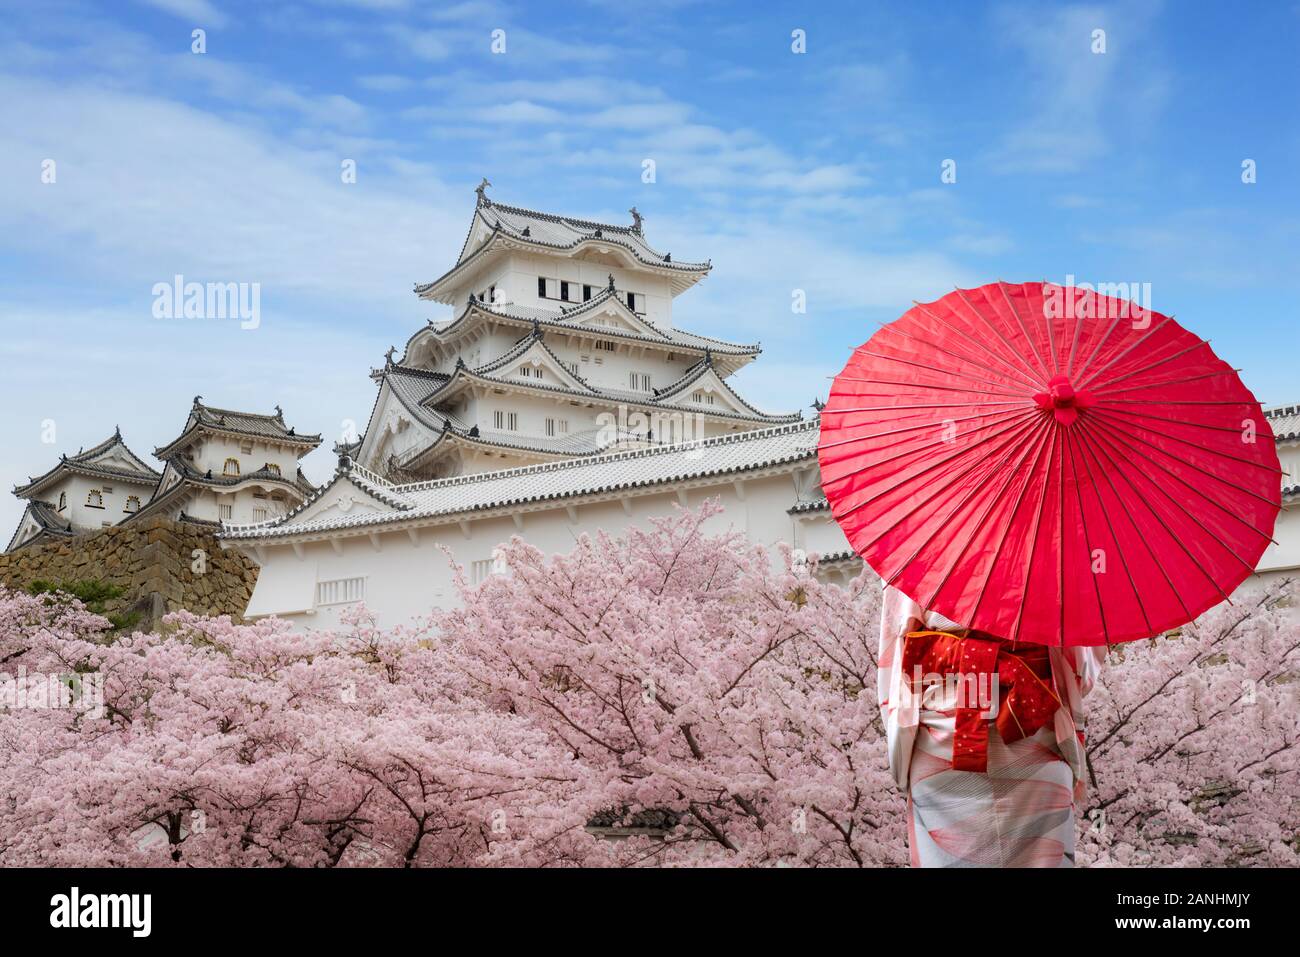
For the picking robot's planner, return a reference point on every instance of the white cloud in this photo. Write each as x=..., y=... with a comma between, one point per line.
x=200, y=13
x=1079, y=102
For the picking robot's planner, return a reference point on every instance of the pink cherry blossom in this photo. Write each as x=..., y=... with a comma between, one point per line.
x=672, y=697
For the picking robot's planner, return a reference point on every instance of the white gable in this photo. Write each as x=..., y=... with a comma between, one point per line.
x=342, y=498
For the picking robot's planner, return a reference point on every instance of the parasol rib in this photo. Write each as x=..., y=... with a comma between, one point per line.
x=1117, y=436
x=1020, y=370
x=1018, y=373
x=1100, y=342
x=1146, y=500
x=1041, y=370
x=1098, y=410
x=1086, y=442
x=929, y=424
x=1006, y=530
x=1159, y=362
x=1190, y=425
x=935, y=405
x=988, y=507
x=925, y=385
x=876, y=463
x=1126, y=350
x=1087, y=542
x=1051, y=342
x=1162, y=384
x=1009, y=444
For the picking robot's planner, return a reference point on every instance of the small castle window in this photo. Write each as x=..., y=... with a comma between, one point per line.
x=273, y=468
x=246, y=448
x=95, y=499
x=63, y=501
x=231, y=467
x=132, y=503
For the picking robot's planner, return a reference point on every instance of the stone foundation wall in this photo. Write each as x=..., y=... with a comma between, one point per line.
x=154, y=560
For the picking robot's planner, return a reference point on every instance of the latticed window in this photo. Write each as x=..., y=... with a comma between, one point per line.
x=340, y=591
x=231, y=467
x=63, y=501
x=273, y=468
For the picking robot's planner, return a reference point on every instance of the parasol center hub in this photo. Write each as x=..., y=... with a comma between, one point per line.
x=1062, y=393
x=1062, y=400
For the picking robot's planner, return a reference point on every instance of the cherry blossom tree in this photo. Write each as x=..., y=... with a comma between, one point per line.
x=1192, y=742
x=250, y=745
x=677, y=696
x=728, y=698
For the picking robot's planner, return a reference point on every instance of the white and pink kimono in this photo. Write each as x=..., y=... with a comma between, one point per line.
x=1018, y=811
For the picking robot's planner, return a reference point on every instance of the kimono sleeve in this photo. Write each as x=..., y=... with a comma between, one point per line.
x=899, y=708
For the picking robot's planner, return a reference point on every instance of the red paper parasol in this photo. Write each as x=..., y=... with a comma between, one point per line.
x=1049, y=465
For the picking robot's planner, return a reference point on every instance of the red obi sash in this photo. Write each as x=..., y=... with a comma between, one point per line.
x=1025, y=698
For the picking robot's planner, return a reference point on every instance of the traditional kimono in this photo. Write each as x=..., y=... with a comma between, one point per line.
x=983, y=791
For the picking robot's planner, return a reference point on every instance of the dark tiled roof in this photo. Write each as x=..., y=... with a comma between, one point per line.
x=191, y=478
x=563, y=321
x=205, y=417
x=50, y=524
x=560, y=233
x=616, y=396
x=816, y=505
x=612, y=473
x=1285, y=420
x=84, y=463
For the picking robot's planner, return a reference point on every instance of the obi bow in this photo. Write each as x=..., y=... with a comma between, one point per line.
x=1022, y=695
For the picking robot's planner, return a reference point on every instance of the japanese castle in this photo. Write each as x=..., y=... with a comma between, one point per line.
x=563, y=345
x=224, y=466
x=561, y=398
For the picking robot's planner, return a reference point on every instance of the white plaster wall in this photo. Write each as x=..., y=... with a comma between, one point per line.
x=405, y=580
x=211, y=453
x=517, y=278
x=1286, y=553
x=77, y=489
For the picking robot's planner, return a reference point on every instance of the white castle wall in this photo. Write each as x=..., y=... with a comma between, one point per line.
x=517, y=277
x=113, y=492
x=407, y=574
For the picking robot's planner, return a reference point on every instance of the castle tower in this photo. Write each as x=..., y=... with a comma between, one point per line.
x=563, y=345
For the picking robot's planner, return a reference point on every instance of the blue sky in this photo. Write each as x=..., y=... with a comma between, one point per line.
x=817, y=171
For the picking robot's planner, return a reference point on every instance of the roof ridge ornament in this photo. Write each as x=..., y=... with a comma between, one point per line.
x=636, y=220
x=388, y=357
x=480, y=190
x=611, y=282
x=279, y=414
